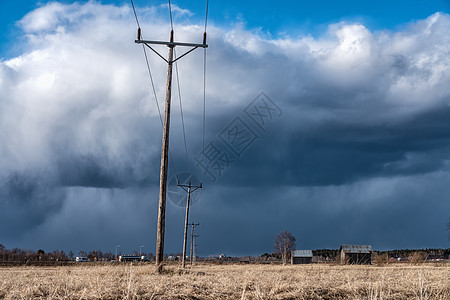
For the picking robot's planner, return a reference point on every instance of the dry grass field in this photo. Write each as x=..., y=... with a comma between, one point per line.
x=316, y=281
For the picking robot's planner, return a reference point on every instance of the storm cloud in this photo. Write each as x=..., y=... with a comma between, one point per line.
x=358, y=153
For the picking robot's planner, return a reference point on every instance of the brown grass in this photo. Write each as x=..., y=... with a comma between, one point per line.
x=316, y=281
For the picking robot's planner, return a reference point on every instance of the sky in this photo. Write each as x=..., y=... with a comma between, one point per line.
x=327, y=119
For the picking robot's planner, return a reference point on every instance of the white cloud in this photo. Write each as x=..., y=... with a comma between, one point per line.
x=180, y=12
x=83, y=74
x=44, y=18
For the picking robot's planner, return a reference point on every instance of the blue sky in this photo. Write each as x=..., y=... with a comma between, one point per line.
x=284, y=18
x=358, y=151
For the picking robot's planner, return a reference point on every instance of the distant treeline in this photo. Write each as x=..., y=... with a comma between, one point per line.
x=21, y=256
x=332, y=253
x=408, y=252
x=31, y=256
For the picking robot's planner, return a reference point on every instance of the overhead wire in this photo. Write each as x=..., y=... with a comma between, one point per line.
x=148, y=67
x=153, y=84
x=181, y=111
x=204, y=91
x=170, y=12
x=179, y=93
x=172, y=165
x=179, y=88
x=202, y=159
x=204, y=110
x=206, y=14
x=135, y=15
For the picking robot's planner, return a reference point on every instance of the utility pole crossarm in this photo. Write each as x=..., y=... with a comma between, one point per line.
x=171, y=44
x=189, y=186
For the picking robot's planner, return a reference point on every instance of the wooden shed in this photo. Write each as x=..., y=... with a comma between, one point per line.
x=301, y=257
x=356, y=254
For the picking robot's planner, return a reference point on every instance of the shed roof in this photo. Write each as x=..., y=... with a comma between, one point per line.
x=356, y=248
x=302, y=253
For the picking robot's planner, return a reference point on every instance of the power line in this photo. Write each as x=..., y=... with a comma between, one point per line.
x=181, y=110
x=135, y=15
x=206, y=14
x=172, y=165
x=153, y=84
x=170, y=12
x=204, y=110
x=204, y=90
x=178, y=85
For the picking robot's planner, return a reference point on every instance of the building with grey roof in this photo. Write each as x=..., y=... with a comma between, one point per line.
x=301, y=257
x=356, y=254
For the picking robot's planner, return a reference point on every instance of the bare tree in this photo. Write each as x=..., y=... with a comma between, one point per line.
x=284, y=244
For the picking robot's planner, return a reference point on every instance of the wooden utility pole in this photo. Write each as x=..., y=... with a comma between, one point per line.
x=192, y=239
x=165, y=140
x=164, y=165
x=190, y=188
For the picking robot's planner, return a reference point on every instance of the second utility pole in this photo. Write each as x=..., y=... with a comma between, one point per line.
x=186, y=220
x=165, y=140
